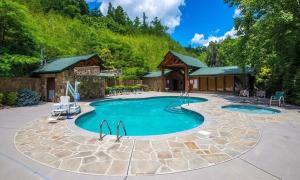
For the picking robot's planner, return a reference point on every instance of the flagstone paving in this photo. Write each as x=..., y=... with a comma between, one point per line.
x=224, y=135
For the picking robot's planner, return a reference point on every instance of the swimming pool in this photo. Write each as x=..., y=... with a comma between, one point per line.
x=252, y=109
x=142, y=117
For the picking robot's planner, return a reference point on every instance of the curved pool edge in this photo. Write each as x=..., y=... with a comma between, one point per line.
x=279, y=110
x=72, y=126
x=157, y=173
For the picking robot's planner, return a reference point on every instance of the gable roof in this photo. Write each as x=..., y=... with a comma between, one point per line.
x=227, y=70
x=155, y=74
x=188, y=60
x=61, y=64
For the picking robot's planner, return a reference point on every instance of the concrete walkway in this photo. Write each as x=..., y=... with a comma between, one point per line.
x=275, y=157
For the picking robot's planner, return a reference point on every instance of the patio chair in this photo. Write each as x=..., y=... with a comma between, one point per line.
x=278, y=97
x=245, y=94
x=260, y=96
x=62, y=107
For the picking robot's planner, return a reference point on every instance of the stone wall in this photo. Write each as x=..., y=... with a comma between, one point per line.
x=60, y=83
x=91, y=87
x=153, y=84
x=16, y=83
x=115, y=82
x=87, y=70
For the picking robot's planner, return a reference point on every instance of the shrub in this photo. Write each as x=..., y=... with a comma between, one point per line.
x=1, y=98
x=11, y=98
x=27, y=97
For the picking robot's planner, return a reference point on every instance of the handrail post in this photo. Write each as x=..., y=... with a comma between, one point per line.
x=101, y=129
x=120, y=123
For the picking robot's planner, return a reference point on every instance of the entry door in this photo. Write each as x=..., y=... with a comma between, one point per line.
x=50, y=89
x=175, y=84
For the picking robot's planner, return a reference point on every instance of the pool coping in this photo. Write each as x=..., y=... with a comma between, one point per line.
x=75, y=128
x=187, y=132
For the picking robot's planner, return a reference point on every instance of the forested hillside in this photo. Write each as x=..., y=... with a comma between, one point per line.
x=67, y=27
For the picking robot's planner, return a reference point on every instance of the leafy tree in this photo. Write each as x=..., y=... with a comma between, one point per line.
x=212, y=54
x=15, y=33
x=270, y=39
x=17, y=65
x=120, y=16
x=95, y=13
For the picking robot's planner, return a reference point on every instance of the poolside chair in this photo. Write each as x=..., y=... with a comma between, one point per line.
x=260, y=95
x=62, y=107
x=278, y=97
x=245, y=94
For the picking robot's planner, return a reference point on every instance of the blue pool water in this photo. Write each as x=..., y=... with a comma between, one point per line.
x=251, y=109
x=141, y=117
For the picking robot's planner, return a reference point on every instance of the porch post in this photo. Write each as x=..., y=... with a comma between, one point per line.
x=163, y=81
x=186, y=79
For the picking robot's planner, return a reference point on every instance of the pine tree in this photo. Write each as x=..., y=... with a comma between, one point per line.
x=157, y=27
x=137, y=22
x=110, y=11
x=120, y=16
x=145, y=27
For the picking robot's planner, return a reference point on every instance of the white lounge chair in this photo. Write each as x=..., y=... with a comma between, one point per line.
x=62, y=107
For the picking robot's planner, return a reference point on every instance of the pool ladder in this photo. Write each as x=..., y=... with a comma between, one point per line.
x=120, y=124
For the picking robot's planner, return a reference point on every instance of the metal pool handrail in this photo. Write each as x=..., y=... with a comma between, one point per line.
x=120, y=123
x=101, y=129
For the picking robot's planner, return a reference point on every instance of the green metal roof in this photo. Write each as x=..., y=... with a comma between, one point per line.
x=227, y=70
x=156, y=74
x=188, y=60
x=60, y=64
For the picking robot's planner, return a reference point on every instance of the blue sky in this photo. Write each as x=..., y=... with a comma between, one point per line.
x=193, y=22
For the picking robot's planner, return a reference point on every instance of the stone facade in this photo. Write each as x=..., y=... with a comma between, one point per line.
x=91, y=87
x=87, y=70
x=60, y=83
x=153, y=84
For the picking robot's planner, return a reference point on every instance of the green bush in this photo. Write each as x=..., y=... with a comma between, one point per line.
x=11, y=98
x=27, y=97
x=1, y=98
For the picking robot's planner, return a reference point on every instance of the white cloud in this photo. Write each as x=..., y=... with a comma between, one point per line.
x=199, y=39
x=237, y=13
x=166, y=10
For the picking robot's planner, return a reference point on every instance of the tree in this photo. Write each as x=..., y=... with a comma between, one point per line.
x=157, y=27
x=84, y=9
x=95, y=13
x=212, y=54
x=15, y=33
x=145, y=27
x=270, y=39
x=137, y=22
x=111, y=11
x=120, y=16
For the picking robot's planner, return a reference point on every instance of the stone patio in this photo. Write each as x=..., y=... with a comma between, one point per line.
x=223, y=136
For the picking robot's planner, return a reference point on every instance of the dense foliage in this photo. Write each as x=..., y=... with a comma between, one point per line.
x=268, y=39
x=27, y=26
x=11, y=98
x=1, y=99
x=17, y=65
x=26, y=97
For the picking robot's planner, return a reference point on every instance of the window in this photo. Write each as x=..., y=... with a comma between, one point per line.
x=195, y=84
